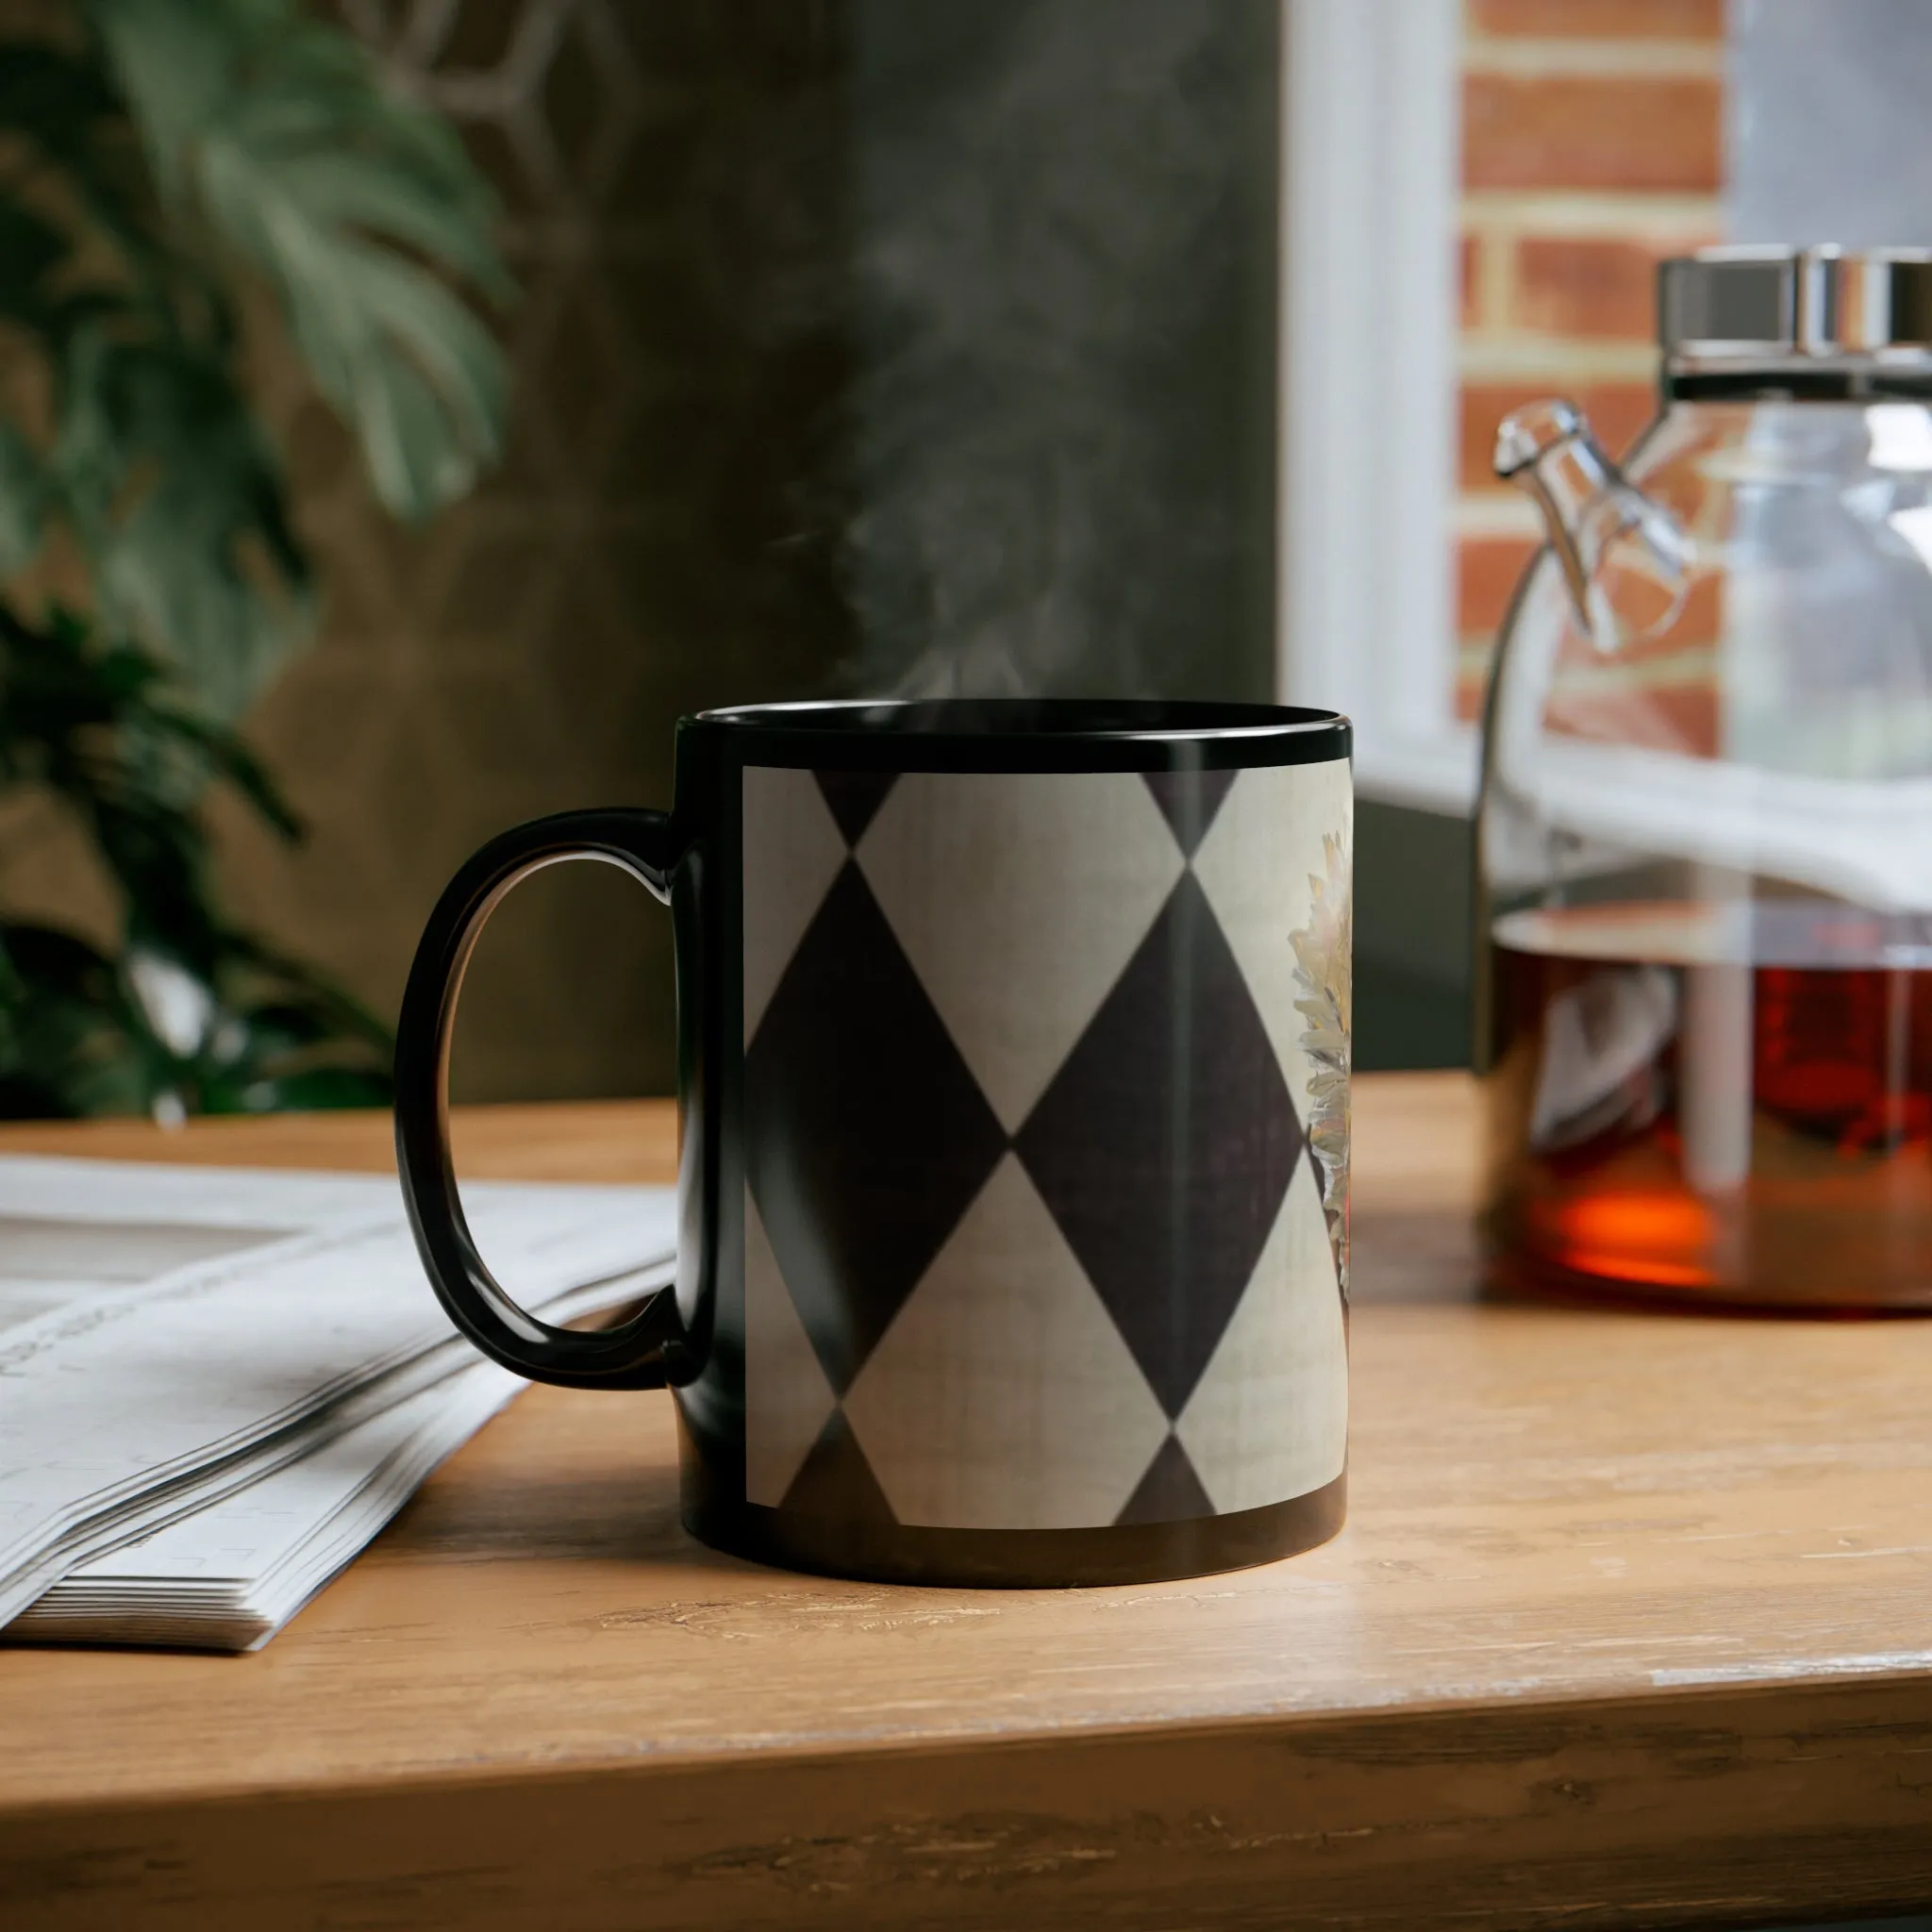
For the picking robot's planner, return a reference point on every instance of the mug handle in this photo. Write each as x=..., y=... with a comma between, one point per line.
x=632, y=1355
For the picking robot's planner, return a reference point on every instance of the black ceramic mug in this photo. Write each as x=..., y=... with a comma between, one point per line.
x=1013, y=1072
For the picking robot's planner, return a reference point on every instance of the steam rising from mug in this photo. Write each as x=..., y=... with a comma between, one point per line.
x=1061, y=417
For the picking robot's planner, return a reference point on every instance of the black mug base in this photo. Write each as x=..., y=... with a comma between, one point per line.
x=1020, y=1559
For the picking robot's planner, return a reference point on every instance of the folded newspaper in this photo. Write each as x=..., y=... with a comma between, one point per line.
x=216, y=1385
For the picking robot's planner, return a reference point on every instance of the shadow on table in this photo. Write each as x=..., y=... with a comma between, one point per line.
x=1918, y=1923
x=1429, y=1255
x=623, y=1513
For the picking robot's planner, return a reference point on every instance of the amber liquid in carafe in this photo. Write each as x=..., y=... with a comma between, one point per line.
x=1712, y=1105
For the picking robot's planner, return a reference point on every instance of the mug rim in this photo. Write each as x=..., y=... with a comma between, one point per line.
x=1105, y=718
x=1039, y=734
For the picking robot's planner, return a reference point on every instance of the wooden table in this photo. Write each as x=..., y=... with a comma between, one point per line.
x=1631, y=1625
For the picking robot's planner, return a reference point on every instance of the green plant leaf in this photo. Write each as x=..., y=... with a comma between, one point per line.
x=63, y=107
x=176, y=499
x=55, y=98
x=23, y=500
x=144, y=164
x=30, y=252
x=412, y=369
x=229, y=756
x=68, y=1047
x=276, y=134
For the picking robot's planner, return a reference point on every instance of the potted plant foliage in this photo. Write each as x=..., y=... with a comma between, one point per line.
x=162, y=162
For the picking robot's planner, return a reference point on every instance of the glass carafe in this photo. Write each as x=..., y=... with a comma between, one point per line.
x=1705, y=835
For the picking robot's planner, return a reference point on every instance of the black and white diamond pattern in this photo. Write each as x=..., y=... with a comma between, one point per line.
x=953, y=1409
x=1269, y=1417
x=1034, y=1238
x=865, y=1137
x=800, y=850
x=794, y=1397
x=1044, y=881
x=1174, y=1084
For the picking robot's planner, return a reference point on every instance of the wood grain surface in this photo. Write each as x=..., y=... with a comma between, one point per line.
x=1631, y=1625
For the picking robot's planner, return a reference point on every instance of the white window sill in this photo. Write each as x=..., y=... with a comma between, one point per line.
x=1437, y=773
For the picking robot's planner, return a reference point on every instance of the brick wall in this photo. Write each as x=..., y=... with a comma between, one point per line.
x=1592, y=146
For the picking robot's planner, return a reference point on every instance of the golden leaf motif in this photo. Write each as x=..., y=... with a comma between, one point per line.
x=1325, y=952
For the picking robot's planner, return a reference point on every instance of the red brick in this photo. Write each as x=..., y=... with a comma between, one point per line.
x=1471, y=685
x=1588, y=285
x=1602, y=20
x=1617, y=411
x=1698, y=625
x=1468, y=268
x=1677, y=718
x=1631, y=131
x=1660, y=660
x=1487, y=569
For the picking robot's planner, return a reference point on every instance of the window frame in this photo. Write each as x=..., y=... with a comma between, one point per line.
x=1371, y=165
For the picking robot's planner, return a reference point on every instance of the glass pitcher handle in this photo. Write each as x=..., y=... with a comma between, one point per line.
x=1626, y=561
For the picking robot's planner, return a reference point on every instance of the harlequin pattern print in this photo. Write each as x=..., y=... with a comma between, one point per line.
x=1042, y=1142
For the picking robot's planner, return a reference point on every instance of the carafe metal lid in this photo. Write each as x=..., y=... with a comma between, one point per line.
x=1744, y=308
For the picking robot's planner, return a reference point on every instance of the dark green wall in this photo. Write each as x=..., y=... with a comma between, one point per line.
x=1061, y=422
x=1411, y=939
